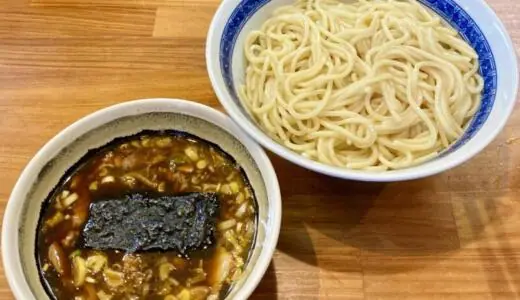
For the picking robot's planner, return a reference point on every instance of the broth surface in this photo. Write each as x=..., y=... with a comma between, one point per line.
x=167, y=163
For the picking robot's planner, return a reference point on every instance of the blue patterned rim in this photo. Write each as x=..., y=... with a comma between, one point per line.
x=450, y=11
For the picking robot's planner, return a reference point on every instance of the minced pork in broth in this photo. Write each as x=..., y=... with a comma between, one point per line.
x=161, y=162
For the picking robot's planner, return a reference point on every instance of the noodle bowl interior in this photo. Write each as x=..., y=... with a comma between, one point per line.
x=160, y=163
x=367, y=85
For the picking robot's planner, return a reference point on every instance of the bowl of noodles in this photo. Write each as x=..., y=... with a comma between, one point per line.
x=381, y=90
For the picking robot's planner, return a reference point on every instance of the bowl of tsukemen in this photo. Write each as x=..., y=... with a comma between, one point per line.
x=149, y=199
x=370, y=90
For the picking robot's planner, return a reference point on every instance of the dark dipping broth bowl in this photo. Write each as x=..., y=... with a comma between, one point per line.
x=150, y=148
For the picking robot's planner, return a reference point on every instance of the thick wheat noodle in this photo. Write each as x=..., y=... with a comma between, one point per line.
x=372, y=85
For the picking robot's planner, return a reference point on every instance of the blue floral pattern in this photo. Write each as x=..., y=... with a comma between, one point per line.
x=450, y=11
x=244, y=10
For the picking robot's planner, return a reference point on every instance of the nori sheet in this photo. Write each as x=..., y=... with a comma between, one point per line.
x=141, y=222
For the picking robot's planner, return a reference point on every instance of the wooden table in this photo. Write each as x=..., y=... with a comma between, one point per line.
x=452, y=236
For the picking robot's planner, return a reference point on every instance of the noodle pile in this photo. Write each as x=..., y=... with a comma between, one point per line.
x=370, y=85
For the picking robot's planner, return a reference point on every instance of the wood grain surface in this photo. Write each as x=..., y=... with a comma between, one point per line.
x=452, y=236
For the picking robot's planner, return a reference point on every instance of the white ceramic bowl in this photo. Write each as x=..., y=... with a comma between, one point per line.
x=474, y=19
x=64, y=150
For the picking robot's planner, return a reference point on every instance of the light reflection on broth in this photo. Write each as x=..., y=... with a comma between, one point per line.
x=167, y=163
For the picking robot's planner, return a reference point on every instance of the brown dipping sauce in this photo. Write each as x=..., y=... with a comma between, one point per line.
x=166, y=162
